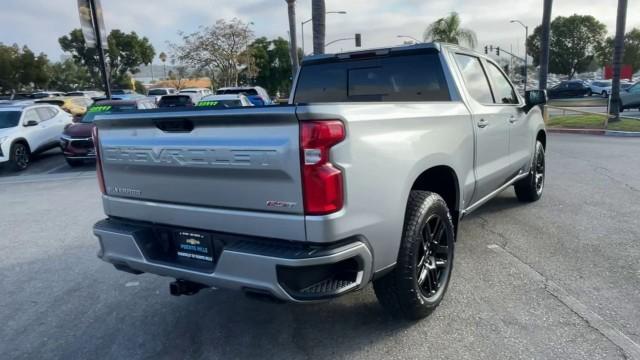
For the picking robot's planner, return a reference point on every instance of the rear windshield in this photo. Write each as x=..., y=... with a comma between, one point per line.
x=157, y=92
x=397, y=78
x=177, y=100
x=9, y=119
x=246, y=92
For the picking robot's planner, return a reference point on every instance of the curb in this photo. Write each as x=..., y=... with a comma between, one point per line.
x=600, y=132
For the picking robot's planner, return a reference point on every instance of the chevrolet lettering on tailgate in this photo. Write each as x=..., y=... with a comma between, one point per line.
x=191, y=157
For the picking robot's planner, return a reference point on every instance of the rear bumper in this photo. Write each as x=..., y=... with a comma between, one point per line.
x=249, y=264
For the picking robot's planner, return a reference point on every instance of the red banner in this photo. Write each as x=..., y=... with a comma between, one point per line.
x=626, y=72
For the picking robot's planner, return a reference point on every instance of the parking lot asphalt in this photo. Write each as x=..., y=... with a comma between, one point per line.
x=50, y=162
x=557, y=279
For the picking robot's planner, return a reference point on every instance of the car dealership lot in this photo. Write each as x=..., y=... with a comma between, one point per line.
x=559, y=278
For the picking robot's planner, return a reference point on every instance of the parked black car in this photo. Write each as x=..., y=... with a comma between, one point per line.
x=568, y=89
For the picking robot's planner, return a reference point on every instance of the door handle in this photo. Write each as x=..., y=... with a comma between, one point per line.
x=482, y=123
x=513, y=119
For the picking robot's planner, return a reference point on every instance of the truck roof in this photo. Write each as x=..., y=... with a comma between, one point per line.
x=438, y=46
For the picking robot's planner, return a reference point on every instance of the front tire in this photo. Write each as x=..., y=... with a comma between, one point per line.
x=19, y=156
x=530, y=188
x=417, y=284
x=589, y=92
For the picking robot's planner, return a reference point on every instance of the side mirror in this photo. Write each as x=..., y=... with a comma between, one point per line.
x=31, y=123
x=534, y=97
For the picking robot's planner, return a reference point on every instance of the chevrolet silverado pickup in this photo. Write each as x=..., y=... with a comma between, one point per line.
x=361, y=178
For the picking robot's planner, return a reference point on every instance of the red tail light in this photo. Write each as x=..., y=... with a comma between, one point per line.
x=322, y=186
x=96, y=145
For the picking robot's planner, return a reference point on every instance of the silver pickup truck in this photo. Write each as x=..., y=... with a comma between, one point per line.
x=361, y=178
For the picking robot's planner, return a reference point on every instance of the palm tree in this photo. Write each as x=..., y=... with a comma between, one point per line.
x=544, y=44
x=618, y=52
x=293, y=45
x=163, y=58
x=448, y=30
x=318, y=14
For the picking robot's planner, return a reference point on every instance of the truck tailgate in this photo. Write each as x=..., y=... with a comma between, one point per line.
x=237, y=159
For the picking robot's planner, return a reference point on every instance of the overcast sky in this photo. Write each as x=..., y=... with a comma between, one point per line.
x=39, y=23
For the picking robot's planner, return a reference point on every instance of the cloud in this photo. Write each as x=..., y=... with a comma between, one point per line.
x=39, y=23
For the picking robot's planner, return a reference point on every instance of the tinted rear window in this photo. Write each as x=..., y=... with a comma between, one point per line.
x=157, y=92
x=246, y=92
x=168, y=101
x=392, y=79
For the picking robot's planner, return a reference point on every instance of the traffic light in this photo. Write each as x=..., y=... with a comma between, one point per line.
x=486, y=50
x=358, y=40
x=498, y=51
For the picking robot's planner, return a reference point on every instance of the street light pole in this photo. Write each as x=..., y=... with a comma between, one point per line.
x=309, y=20
x=526, y=36
x=409, y=37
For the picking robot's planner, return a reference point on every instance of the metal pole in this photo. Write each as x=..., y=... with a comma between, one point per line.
x=544, y=44
x=103, y=64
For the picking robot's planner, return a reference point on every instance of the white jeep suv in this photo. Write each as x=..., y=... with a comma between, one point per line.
x=26, y=129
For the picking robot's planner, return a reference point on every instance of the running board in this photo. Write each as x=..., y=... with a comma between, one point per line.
x=480, y=202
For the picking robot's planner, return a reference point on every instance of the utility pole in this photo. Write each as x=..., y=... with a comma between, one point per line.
x=544, y=43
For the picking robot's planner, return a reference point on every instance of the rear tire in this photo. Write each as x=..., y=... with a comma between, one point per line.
x=19, y=156
x=417, y=284
x=530, y=188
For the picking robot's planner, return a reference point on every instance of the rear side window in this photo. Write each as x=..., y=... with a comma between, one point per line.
x=45, y=113
x=390, y=79
x=474, y=78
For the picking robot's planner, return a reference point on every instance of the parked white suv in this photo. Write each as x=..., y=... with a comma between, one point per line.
x=27, y=128
x=600, y=87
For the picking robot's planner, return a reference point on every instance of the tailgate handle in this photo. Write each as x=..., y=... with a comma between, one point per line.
x=174, y=125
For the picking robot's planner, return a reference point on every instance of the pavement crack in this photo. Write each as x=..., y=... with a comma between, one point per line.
x=626, y=345
x=606, y=172
x=484, y=224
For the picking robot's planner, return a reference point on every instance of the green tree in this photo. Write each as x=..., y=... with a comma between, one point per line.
x=631, y=50
x=125, y=54
x=68, y=75
x=573, y=45
x=272, y=62
x=9, y=67
x=448, y=29
x=21, y=68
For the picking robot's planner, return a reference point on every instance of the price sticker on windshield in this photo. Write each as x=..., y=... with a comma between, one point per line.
x=100, y=108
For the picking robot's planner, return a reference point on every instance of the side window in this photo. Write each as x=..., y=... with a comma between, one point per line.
x=635, y=89
x=502, y=89
x=31, y=115
x=44, y=113
x=475, y=78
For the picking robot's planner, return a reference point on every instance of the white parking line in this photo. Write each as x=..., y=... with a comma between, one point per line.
x=631, y=348
x=57, y=168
